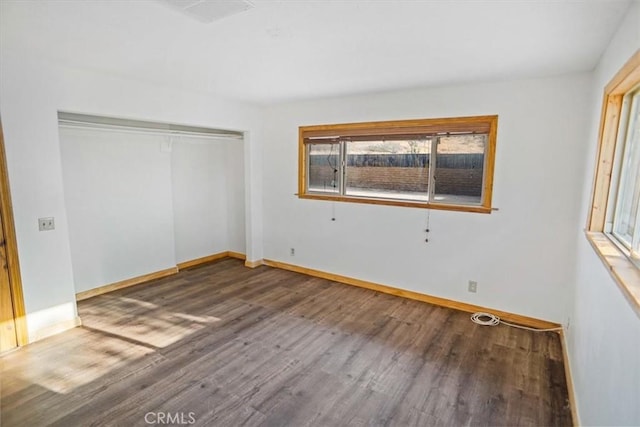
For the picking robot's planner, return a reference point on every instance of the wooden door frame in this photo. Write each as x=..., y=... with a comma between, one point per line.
x=11, y=245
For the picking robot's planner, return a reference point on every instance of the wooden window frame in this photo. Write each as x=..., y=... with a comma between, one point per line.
x=477, y=124
x=625, y=273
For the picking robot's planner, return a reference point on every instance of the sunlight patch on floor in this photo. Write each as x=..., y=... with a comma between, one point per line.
x=112, y=336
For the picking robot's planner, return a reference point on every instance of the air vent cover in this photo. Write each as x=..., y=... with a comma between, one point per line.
x=208, y=11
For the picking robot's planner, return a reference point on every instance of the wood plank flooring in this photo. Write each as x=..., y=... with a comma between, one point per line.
x=223, y=345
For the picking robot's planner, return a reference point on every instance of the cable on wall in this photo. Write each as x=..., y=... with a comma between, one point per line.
x=488, y=319
x=334, y=168
x=427, y=228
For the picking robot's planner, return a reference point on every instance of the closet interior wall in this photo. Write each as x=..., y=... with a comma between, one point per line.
x=138, y=203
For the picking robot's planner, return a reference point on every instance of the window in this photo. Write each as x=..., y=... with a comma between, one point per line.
x=431, y=163
x=625, y=224
x=614, y=223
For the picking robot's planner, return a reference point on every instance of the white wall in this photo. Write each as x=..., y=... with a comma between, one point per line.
x=604, y=336
x=208, y=197
x=236, y=212
x=117, y=189
x=32, y=92
x=522, y=255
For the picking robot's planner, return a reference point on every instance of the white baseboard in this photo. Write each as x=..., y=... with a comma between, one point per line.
x=54, y=329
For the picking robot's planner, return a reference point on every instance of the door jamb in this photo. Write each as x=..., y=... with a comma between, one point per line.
x=13, y=264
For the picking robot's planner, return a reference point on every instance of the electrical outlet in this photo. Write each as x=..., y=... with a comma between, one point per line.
x=473, y=286
x=46, y=224
x=292, y=252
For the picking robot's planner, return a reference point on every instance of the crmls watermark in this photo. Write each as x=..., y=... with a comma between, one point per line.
x=180, y=418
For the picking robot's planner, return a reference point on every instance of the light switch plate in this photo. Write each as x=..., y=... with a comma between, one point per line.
x=46, y=224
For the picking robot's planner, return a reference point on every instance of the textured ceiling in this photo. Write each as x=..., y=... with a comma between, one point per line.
x=285, y=50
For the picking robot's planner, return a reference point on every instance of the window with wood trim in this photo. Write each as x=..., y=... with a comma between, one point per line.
x=614, y=222
x=429, y=163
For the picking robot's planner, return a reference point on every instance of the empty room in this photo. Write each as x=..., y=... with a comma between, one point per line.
x=320, y=213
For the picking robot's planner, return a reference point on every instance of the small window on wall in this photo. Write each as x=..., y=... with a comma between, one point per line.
x=613, y=228
x=431, y=163
x=625, y=216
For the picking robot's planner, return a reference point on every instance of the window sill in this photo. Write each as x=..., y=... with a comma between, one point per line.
x=623, y=271
x=405, y=203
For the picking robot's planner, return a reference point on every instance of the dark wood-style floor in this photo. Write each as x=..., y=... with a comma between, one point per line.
x=223, y=345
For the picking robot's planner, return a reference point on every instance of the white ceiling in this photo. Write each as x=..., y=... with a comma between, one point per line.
x=285, y=50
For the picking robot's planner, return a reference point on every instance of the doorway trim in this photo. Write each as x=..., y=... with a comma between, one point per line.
x=11, y=245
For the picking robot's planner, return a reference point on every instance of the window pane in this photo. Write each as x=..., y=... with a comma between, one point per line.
x=624, y=220
x=324, y=168
x=397, y=169
x=459, y=169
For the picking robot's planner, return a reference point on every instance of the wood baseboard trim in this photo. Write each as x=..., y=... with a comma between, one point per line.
x=159, y=274
x=443, y=302
x=237, y=255
x=254, y=264
x=125, y=283
x=55, y=329
x=202, y=260
x=569, y=379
